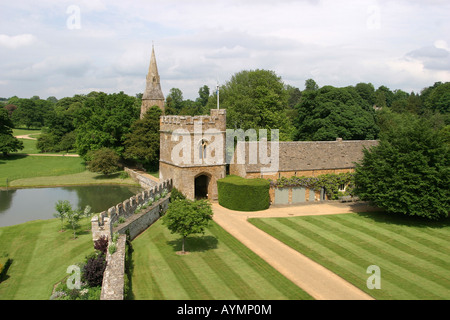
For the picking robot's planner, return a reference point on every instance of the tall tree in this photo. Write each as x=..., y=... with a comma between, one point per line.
x=8, y=143
x=330, y=113
x=256, y=99
x=409, y=171
x=142, y=143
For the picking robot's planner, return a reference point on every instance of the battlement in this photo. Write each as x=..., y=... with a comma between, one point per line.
x=216, y=120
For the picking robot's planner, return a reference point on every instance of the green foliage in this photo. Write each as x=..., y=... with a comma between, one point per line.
x=330, y=113
x=8, y=143
x=241, y=194
x=330, y=182
x=186, y=217
x=62, y=208
x=104, y=120
x=93, y=270
x=409, y=171
x=256, y=99
x=104, y=160
x=176, y=194
x=142, y=143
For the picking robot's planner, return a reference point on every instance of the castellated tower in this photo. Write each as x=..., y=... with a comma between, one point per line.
x=192, y=153
x=153, y=94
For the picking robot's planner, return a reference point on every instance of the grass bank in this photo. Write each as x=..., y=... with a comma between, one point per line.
x=41, y=255
x=217, y=267
x=35, y=171
x=412, y=254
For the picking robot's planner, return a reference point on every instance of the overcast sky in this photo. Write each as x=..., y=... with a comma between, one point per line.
x=62, y=48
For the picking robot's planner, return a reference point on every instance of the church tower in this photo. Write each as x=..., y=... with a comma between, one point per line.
x=153, y=94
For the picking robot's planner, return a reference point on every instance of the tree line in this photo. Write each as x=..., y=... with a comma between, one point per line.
x=256, y=99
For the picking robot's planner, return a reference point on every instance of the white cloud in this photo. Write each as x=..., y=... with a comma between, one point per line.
x=14, y=42
x=401, y=44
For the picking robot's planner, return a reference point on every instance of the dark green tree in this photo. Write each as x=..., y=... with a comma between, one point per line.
x=409, y=171
x=255, y=99
x=104, y=160
x=330, y=113
x=8, y=143
x=142, y=143
x=104, y=120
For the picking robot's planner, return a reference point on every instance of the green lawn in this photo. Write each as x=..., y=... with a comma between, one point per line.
x=217, y=267
x=20, y=167
x=413, y=255
x=41, y=255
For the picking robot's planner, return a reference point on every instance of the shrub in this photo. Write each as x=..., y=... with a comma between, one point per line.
x=241, y=194
x=175, y=194
x=93, y=270
x=101, y=244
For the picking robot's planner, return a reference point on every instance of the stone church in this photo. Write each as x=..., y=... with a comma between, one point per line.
x=197, y=176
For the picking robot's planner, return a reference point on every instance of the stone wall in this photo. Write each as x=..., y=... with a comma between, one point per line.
x=146, y=181
x=107, y=223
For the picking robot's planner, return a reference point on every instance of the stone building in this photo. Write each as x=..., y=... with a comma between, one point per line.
x=192, y=150
x=153, y=95
x=306, y=158
x=192, y=153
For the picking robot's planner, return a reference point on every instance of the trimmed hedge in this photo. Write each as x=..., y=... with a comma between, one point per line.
x=237, y=193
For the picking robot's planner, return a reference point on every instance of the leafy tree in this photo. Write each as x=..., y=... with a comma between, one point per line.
x=142, y=143
x=186, y=217
x=367, y=92
x=8, y=143
x=330, y=113
x=104, y=160
x=203, y=94
x=439, y=98
x=104, y=120
x=408, y=172
x=176, y=99
x=311, y=85
x=255, y=99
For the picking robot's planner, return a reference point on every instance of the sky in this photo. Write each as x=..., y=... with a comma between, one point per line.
x=62, y=48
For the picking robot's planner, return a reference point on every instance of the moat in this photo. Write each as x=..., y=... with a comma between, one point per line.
x=22, y=205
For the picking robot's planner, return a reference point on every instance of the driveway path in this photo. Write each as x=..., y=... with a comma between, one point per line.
x=319, y=282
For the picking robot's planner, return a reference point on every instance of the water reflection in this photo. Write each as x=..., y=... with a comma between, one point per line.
x=19, y=206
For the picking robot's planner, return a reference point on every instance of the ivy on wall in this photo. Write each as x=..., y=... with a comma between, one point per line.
x=330, y=182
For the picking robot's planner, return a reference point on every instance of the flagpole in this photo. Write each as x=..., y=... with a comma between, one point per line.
x=217, y=88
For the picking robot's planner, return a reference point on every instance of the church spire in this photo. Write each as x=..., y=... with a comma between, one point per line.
x=153, y=94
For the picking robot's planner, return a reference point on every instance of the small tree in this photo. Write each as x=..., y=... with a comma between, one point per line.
x=186, y=217
x=62, y=207
x=105, y=161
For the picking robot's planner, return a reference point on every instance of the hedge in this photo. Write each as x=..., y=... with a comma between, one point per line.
x=236, y=193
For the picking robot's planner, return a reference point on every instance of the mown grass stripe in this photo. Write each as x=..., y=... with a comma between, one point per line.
x=434, y=231
x=233, y=280
x=146, y=265
x=416, y=244
x=183, y=273
x=276, y=281
x=165, y=276
x=316, y=248
x=341, y=267
x=383, y=259
x=208, y=275
x=423, y=256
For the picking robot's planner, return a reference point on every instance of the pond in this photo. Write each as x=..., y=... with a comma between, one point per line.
x=22, y=205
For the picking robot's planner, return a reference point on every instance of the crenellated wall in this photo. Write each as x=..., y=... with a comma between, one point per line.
x=138, y=213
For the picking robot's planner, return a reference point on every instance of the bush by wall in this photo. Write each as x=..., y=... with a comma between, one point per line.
x=241, y=194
